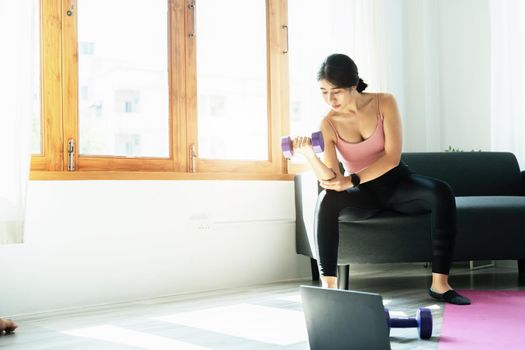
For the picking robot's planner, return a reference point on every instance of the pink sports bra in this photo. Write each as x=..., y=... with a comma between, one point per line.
x=358, y=156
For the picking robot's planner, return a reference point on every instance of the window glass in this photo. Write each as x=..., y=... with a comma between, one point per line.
x=123, y=101
x=232, y=79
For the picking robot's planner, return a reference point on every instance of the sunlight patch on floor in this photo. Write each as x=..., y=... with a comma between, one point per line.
x=255, y=322
x=136, y=339
x=296, y=298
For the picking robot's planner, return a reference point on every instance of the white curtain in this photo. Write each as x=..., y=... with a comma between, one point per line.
x=360, y=29
x=508, y=77
x=366, y=41
x=17, y=107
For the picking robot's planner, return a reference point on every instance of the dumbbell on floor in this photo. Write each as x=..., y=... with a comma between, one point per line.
x=423, y=322
x=287, y=146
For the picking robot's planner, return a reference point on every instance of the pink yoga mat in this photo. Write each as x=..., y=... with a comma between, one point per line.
x=495, y=320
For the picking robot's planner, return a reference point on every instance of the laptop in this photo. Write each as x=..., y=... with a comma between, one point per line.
x=344, y=319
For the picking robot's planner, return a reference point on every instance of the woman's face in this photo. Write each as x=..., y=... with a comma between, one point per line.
x=336, y=97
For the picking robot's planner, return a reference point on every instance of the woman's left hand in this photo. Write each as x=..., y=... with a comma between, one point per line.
x=338, y=184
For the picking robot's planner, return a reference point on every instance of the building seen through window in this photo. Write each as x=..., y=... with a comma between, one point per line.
x=123, y=78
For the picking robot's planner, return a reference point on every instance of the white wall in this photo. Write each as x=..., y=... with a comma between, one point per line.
x=96, y=242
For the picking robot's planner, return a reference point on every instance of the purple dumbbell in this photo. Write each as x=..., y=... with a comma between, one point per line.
x=423, y=322
x=317, y=144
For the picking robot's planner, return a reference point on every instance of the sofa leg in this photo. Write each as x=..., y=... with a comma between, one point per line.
x=521, y=266
x=343, y=272
x=315, y=269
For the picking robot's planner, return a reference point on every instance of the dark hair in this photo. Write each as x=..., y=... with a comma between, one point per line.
x=341, y=71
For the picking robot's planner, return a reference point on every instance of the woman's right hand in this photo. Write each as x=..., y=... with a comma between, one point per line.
x=303, y=145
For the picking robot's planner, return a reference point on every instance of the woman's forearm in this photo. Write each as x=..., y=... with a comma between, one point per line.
x=321, y=171
x=378, y=168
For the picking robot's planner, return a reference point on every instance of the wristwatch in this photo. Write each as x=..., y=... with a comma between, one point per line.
x=355, y=179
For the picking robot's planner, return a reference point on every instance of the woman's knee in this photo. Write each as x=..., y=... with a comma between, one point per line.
x=328, y=200
x=442, y=190
x=358, y=214
x=431, y=189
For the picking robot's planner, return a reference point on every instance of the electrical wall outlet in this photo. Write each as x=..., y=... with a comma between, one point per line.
x=200, y=222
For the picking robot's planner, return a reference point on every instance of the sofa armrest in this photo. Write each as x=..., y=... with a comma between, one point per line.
x=306, y=193
x=523, y=183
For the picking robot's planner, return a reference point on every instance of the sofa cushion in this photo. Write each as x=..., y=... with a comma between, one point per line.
x=487, y=222
x=385, y=237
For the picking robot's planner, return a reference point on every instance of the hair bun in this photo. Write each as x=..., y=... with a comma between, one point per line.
x=361, y=85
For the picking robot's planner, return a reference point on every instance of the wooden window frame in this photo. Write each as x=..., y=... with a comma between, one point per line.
x=51, y=156
x=59, y=62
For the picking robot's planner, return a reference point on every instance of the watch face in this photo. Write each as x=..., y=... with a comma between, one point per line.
x=355, y=179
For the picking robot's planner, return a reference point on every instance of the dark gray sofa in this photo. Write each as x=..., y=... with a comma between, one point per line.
x=490, y=201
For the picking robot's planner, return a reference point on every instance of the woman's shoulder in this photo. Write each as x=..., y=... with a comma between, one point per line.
x=371, y=99
x=386, y=97
x=387, y=102
x=328, y=118
x=382, y=96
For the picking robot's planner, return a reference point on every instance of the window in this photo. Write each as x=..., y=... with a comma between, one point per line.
x=232, y=80
x=128, y=144
x=164, y=86
x=86, y=48
x=83, y=94
x=127, y=101
x=119, y=64
x=36, y=146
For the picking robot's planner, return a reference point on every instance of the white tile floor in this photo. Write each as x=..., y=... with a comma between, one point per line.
x=260, y=317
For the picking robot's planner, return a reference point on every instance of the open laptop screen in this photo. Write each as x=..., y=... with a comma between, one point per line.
x=344, y=319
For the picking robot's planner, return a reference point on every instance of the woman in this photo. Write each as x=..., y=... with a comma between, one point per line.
x=363, y=131
x=7, y=325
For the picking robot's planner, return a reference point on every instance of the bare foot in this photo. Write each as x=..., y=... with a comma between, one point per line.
x=440, y=283
x=7, y=325
x=329, y=282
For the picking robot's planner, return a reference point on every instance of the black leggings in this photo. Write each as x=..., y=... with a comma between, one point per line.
x=400, y=190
